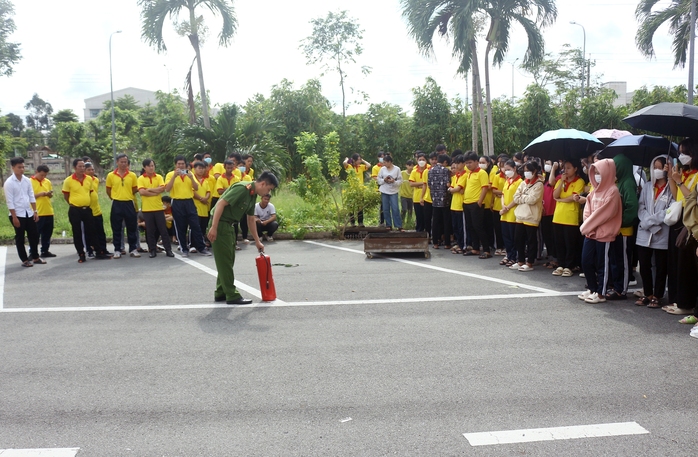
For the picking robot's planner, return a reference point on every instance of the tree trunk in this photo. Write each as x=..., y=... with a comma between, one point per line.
x=341, y=83
x=490, y=128
x=194, y=39
x=473, y=117
x=478, y=97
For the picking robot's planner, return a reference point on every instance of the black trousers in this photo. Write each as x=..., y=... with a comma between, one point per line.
x=488, y=221
x=244, y=228
x=185, y=217
x=156, y=226
x=270, y=228
x=100, y=237
x=475, y=226
x=549, y=236
x=673, y=263
x=26, y=226
x=566, y=239
x=657, y=285
x=688, y=272
x=80, y=217
x=45, y=228
x=124, y=211
x=441, y=224
x=423, y=215
x=497, y=222
x=526, y=243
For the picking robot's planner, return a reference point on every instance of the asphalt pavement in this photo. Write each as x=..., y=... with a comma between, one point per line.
x=399, y=355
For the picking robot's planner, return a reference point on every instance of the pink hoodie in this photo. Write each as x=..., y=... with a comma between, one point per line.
x=603, y=211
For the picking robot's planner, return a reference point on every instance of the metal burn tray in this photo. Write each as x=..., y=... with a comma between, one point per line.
x=396, y=242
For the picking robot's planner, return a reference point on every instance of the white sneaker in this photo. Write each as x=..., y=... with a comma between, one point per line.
x=595, y=298
x=117, y=255
x=135, y=254
x=584, y=295
x=558, y=271
x=192, y=250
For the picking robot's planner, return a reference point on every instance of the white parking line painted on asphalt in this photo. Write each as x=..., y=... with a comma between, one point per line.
x=445, y=270
x=57, y=452
x=3, y=258
x=281, y=304
x=554, y=433
x=242, y=286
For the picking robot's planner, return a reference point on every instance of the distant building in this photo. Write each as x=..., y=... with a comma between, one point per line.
x=621, y=89
x=94, y=105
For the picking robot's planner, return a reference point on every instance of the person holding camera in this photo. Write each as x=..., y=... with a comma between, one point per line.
x=389, y=180
x=181, y=185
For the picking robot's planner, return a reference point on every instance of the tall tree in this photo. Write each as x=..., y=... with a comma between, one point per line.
x=677, y=14
x=65, y=115
x=9, y=52
x=335, y=43
x=40, y=111
x=16, y=123
x=154, y=13
x=432, y=112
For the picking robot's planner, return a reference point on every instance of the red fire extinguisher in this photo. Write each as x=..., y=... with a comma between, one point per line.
x=266, y=281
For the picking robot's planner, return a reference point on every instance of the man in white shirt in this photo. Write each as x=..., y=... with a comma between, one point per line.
x=19, y=196
x=265, y=215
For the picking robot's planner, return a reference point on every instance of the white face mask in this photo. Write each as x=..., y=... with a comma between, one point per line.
x=548, y=168
x=207, y=160
x=380, y=160
x=685, y=159
x=518, y=164
x=597, y=178
x=584, y=169
x=483, y=166
x=242, y=169
x=509, y=173
x=659, y=173
x=528, y=174
x=422, y=163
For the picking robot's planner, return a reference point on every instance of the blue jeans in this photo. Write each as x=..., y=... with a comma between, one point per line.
x=508, y=233
x=458, y=228
x=391, y=210
x=595, y=264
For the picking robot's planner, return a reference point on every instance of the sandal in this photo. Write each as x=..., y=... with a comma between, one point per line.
x=643, y=302
x=693, y=320
x=467, y=253
x=436, y=246
x=654, y=302
x=552, y=265
x=504, y=261
x=485, y=255
x=509, y=263
x=457, y=250
x=27, y=263
x=679, y=311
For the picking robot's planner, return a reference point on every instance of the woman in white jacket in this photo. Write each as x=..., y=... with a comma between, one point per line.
x=389, y=180
x=653, y=234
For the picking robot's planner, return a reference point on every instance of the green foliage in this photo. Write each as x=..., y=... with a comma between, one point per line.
x=537, y=115
x=39, y=117
x=65, y=115
x=17, y=124
x=677, y=14
x=331, y=154
x=9, y=52
x=431, y=118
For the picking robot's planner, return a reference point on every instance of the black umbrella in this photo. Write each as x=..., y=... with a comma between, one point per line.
x=640, y=149
x=563, y=144
x=675, y=119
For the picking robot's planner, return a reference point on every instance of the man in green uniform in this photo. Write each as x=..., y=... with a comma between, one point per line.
x=237, y=201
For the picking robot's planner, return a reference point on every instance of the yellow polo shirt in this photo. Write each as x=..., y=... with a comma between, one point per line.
x=690, y=180
x=79, y=190
x=418, y=175
x=376, y=169
x=218, y=169
x=182, y=188
x=211, y=181
x=360, y=171
x=508, y=191
x=149, y=203
x=43, y=204
x=122, y=186
x=457, y=198
x=202, y=208
x=476, y=180
x=94, y=197
x=568, y=213
x=224, y=182
x=497, y=183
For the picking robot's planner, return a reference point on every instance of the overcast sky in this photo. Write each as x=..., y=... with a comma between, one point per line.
x=65, y=49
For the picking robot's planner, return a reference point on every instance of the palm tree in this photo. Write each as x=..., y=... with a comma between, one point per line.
x=461, y=21
x=677, y=14
x=155, y=12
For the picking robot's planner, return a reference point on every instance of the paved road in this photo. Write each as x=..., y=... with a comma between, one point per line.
x=359, y=358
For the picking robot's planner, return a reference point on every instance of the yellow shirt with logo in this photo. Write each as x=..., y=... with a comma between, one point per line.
x=94, y=198
x=150, y=203
x=223, y=182
x=508, y=191
x=122, y=186
x=497, y=182
x=568, y=213
x=458, y=179
x=44, y=207
x=182, y=188
x=79, y=190
x=689, y=180
x=418, y=175
x=476, y=180
x=202, y=208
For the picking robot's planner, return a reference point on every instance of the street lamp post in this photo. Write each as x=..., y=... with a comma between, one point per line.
x=512, y=77
x=584, y=52
x=111, y=89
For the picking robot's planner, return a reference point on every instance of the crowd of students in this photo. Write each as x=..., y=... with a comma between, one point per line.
x=178, y=218
x=601, y=218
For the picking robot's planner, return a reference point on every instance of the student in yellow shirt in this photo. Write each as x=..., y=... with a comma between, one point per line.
x=567, y=216
x=122, y=185
x=486, y=164
x=476, y=187
x=227, y=179
x=245, y=168
x=356, y=169
x=43, y=192
x=202, y=197
x=151, y=186
x=458, y=181
x=421, y=196
x=406, y=203
x=181, y=185
x=76, y=191
x=100, y=250
x=508, y=219
x=497, y=180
